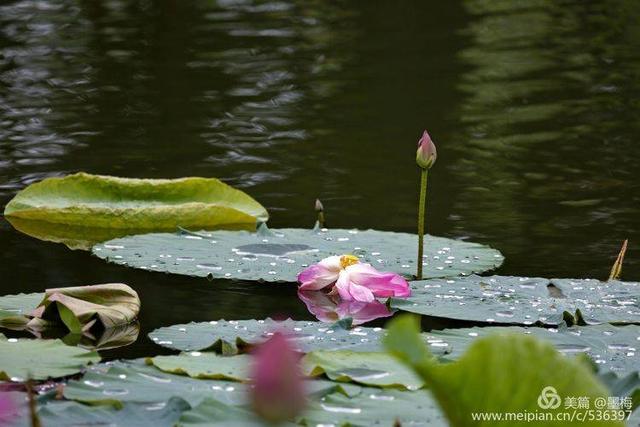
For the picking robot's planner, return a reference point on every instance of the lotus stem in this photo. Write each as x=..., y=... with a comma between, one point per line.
x=616, y=270
x=320, y=210
x=33, y=410
x=421, y=211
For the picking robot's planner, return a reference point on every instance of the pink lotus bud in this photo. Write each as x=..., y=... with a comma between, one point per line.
x=278, y=391
x=319, y=207
x=426, y=154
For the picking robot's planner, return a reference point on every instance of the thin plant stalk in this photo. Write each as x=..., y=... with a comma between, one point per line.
x=616, y=270
x=421, y=213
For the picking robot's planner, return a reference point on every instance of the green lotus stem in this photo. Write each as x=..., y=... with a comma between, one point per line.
x=421, y=210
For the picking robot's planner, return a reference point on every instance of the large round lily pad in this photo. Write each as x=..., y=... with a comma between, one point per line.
x=279, y=255
x=229, y=337
x=22, y=358
x=611, y=347
x=523, y=300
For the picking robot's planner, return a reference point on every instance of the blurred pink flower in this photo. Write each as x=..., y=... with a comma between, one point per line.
x=353, y=280
x=426, y=155
x=8, y=408
x=330, y=308
x=278, y=391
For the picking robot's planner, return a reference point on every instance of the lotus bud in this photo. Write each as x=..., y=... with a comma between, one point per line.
x=319, y=207
x=426, y=154
x=278, y=391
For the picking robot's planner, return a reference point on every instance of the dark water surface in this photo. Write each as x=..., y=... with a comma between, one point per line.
x=534, y=106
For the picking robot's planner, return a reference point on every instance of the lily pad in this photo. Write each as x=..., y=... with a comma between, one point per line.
x=375, y=407
x=116, y=383
x=611, y=347
x=499, y=374
x=83, y=308
x=279, y=255
x=205, y=365
x=22, y=358
x=229, y=337
x=16, y=309
x=55, y=413
x=523, y=300
x=369, y=368
x=211, y=413
x=143, y=204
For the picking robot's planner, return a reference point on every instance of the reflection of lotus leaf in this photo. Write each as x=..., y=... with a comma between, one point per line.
x=279, y=255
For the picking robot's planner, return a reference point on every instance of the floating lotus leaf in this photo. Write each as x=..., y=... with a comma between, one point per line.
x=279, y=255
x=116, y=383
x=369, y=368
x=205, y=365
x=499, y=374
x=55, y=413
x=15, y=310
x=523, y=300
x=82, y=308
x=229, y=337
x=88, y=311
x=611, y=347
x=109, y=203
x=375, y=407
x=21, y=358
x=623, y=386
x=211, y=413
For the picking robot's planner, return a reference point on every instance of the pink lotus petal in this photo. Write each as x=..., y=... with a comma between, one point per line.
x=320, y=275
x=349, y=290
x=381, y=284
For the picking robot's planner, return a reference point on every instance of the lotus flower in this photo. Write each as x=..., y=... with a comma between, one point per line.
x=426, y=154
x=278, y=391
x=330, y=308
x=353, y=280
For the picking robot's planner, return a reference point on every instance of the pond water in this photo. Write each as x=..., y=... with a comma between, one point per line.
x=533, y=105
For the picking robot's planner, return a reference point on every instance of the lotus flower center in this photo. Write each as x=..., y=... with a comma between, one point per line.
x=347, y=260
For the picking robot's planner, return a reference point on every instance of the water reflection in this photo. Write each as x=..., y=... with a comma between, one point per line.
x=330, y=308
x=549, y=92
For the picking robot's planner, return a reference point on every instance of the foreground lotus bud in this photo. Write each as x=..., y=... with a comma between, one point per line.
x=278, y=391
x=426, y=154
